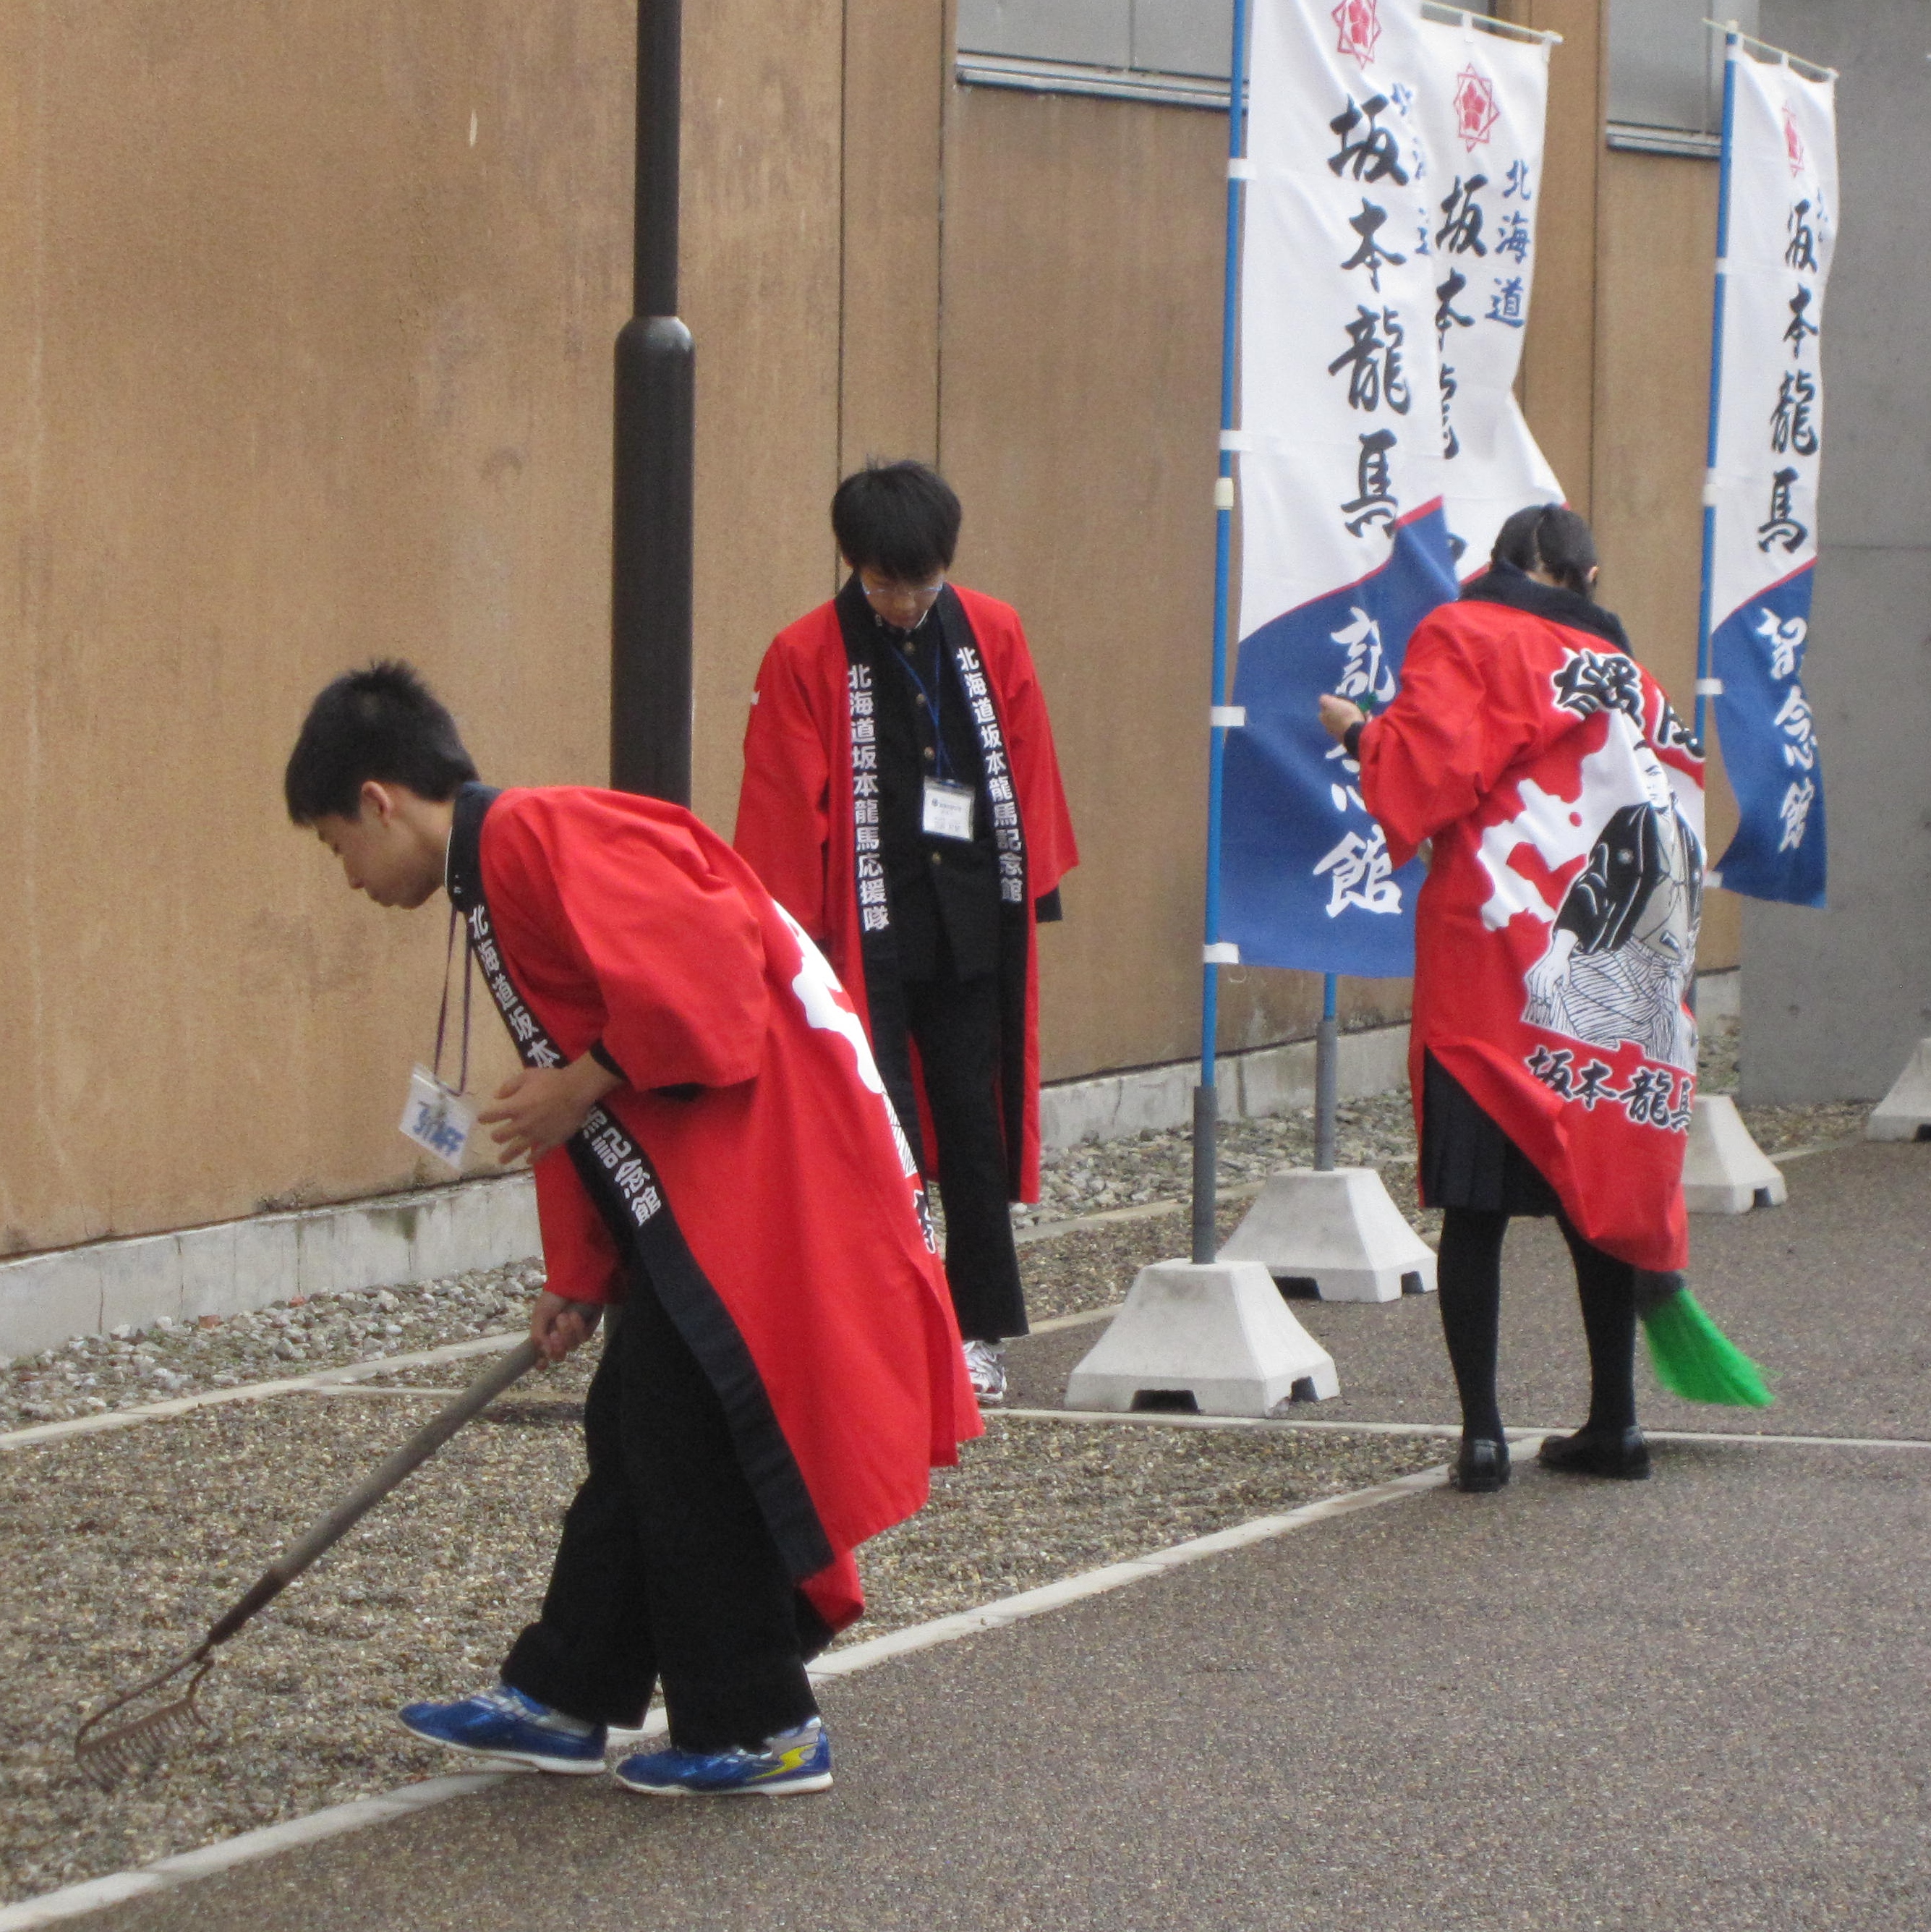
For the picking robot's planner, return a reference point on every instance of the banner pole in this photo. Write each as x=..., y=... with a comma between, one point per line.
x=1326, y=1053
x=1731, y=53
x=1206, y=1099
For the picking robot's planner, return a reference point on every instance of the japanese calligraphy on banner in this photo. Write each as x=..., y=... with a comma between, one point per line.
x=1783, y=172
x=1482, y=108
x=1394, y=172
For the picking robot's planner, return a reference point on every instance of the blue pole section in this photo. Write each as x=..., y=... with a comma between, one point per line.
x=1206, y=1112
x=1731, y=53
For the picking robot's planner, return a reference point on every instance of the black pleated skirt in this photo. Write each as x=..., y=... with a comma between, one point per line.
x=1466, y=1161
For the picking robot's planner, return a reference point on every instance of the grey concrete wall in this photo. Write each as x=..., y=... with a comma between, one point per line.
x=1834, y=1001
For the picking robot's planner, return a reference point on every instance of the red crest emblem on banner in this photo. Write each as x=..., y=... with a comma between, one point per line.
x=1793, y=143
x=1475, y=110
x=1359, y=21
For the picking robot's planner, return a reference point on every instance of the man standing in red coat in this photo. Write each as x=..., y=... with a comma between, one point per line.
x=902, y=800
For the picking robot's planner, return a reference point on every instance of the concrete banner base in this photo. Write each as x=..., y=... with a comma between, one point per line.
x=1338, y=1231
x=1217, y=1331
x=1724, y=1171
x=1904, y=1114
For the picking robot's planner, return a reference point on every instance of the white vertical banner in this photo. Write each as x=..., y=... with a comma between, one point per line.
x=1484, y=101
x=1782, y=223
x=1339, y=446
x=1393, y=177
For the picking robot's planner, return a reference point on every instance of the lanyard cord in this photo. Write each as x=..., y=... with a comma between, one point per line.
x=934, y=699
x=442, y=1011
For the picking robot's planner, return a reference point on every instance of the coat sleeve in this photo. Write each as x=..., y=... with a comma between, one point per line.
x=784, y=820
x=1440, y=748
x=675, y=951
x=1051, y=850
x=580, y=1259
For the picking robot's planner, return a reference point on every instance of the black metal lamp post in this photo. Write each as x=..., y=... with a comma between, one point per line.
x=651, y=545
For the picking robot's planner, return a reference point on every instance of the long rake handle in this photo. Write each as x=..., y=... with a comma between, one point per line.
x=330, y=1529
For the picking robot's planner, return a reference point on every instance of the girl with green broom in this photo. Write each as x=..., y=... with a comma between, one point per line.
x=1553, y=1055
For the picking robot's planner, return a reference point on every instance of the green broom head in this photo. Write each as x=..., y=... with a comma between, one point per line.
x=1694, y=1359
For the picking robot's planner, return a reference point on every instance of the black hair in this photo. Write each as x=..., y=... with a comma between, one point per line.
x=1546, y=536
x=900, y=519
x=383, y=724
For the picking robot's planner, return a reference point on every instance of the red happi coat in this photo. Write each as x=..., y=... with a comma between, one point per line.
x=1555, y=936
x=795, y=816
x=625, y=919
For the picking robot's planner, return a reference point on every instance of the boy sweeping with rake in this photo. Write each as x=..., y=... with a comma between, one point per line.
x=720, y=1175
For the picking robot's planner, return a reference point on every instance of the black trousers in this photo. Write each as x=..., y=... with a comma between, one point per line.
x=666, y=1569
x=956, y=1025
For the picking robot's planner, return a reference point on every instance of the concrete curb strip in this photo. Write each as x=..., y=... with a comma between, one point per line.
x=325, y=1379
x=233, y=1267
x=489, y=1221
x=162, y=1875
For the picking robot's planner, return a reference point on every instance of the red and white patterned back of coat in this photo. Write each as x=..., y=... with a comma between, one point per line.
x=1556, y=938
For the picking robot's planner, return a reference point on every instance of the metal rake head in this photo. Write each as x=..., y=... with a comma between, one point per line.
x=107, y=1755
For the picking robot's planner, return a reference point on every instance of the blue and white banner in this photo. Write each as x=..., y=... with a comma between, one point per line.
x=1782, y=225
x=1393, y=168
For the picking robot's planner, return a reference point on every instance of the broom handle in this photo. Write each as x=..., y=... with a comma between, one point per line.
x=331, y=1529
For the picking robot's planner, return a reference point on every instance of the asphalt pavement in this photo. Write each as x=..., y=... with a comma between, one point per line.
x=1695, y=1703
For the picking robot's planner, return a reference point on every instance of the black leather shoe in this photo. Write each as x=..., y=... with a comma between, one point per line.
x=1482, y=1466
x=1619, y=1454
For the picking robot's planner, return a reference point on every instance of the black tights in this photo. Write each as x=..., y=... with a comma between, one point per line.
x=1469, y=1274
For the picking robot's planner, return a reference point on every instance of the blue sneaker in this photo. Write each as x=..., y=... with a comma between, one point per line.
x=505, y=1725
x=790, y=1762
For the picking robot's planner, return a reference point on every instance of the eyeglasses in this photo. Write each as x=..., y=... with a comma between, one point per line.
x=920, y=594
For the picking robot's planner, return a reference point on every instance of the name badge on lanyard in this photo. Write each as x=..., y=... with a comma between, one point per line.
x=436, y=1116
x=948, y=813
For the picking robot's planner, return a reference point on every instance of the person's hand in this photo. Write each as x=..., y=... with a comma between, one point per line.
x=557, y=1325
x=541, y=1107
x=1337, y=715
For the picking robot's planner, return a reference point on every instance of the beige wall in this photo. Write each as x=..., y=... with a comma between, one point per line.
x=761, y=290
x=1658, y=248
x=1558, y=383
x=1080, y=360
x=294, y=371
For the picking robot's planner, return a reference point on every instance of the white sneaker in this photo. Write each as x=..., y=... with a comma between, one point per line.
x=985, y=1363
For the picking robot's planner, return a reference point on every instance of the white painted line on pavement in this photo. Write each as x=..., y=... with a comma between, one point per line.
x=1788, y=1442
x=350, y=1371
x=1174, y=1418
x=1072, y=1320
x=1113, y=1577
x=1159, y=1418
x=70, y=1901
x=164, y=1873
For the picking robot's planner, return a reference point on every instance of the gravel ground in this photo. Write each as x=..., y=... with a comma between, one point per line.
x=1158, y=1166
x=93, y=1374
x=122, y=1547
